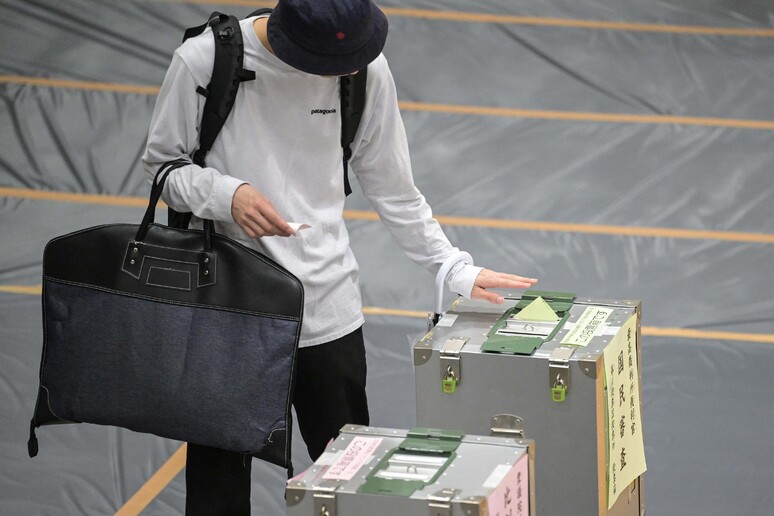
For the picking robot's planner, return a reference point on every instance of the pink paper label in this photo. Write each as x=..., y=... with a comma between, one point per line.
x=358, y=452
x=511, y=497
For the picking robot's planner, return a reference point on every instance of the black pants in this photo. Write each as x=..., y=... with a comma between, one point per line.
x=329, y=393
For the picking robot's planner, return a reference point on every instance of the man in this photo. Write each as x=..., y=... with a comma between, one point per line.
x=278, y=159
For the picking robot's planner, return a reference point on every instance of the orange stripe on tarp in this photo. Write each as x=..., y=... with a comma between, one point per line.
x=80, y=198
x=80, y=85
x=524, y=225
x=601, y=229
x=578, y=116
x=470, y=17
x=688, y=333
x=454, y=109
x=155, y=484
x=508, y=19
x=375, y=310
x=34, y=290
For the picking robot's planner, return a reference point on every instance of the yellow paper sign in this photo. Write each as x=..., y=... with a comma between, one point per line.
x=625, y=448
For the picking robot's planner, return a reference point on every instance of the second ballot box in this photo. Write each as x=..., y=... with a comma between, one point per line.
x=387, y=472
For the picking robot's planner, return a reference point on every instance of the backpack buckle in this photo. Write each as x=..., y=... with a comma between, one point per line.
x=225, y=34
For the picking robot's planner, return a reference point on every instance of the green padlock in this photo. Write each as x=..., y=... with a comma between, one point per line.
x=449, y=382
x=449, y=386
x=559, y=392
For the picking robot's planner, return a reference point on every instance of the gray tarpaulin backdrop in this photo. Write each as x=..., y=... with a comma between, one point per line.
x=592, y=143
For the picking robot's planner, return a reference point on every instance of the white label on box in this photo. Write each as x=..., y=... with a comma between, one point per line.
x=602, y=331
x=497, y=475
x=447, y=320
x=327, y=458
x=511, y=497
x=609, y=331
x=355, y=455
x=587, y=325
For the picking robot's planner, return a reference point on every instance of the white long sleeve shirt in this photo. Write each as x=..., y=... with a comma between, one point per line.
x=283, y=138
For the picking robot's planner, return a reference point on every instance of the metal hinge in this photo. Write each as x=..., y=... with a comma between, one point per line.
x=507, y=425
x=439, y=503
x=325, y=498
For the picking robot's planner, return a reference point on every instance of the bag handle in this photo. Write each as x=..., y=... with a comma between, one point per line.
x=156, y=189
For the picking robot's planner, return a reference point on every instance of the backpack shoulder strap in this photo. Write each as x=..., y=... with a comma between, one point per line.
x=227, y=74
x=353, y=96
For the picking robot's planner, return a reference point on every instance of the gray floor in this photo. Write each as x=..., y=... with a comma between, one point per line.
x=708, y=408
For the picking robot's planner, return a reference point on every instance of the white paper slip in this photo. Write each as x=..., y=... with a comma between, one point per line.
x=447, y=320
x=298, y=226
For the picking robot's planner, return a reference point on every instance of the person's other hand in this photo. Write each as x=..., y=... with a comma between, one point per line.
x=255, y=214
x=487, y=279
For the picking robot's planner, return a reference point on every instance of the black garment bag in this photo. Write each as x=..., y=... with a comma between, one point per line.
x=181, y=333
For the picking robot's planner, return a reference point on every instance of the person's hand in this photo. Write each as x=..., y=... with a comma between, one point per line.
x=256, y=215
x=490, y=279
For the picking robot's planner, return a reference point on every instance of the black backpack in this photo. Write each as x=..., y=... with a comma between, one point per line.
x=228, y=74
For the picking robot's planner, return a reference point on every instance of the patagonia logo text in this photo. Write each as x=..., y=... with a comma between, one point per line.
x=323, y=111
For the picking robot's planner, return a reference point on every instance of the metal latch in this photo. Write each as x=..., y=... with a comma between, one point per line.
x=432, y=320
x=439, y=503
x=559, y=372
x=507, y=425
x=451, y=374
x=325, y=498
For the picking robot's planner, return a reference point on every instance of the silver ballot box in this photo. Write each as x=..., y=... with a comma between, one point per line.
x=385, y=472
x=547, y=366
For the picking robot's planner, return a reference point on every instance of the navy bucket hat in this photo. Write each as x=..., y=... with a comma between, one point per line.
x=327, y=37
